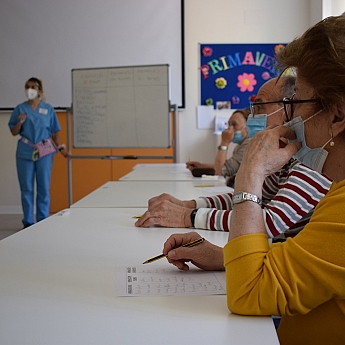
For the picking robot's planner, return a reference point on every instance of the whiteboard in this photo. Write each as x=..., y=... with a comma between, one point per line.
x=48, y=38
x=121, y=107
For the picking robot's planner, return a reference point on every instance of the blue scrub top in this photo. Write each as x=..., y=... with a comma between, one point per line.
x=39, y=125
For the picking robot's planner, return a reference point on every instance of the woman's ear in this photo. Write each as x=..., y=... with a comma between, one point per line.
x=338, y=119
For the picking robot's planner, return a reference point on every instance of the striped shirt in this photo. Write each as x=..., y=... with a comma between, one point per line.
x=289, y=197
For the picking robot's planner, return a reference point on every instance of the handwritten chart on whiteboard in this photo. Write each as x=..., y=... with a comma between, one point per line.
x=121, y=107
x=159, y=280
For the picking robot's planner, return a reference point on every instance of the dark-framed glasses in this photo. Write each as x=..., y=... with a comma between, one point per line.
x=289, y=103
x=255, y=107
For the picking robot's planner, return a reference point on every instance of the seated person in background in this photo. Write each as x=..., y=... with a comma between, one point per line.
x=289, y=196
x=302, y=279
x=235, y=133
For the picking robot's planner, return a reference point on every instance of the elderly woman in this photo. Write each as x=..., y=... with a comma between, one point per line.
x=302, y=279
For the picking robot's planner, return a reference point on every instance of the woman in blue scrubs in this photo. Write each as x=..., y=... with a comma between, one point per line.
x=37, y=124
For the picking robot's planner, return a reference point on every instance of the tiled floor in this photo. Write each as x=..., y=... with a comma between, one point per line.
x=10, y=224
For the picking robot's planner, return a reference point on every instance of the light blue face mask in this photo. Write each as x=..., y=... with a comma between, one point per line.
x=257, y=123
x=313, y=158
x=238, y=137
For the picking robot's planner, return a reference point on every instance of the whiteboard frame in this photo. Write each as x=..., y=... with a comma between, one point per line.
x=166, y=91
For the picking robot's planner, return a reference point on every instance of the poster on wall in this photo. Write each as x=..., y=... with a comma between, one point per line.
x=231, y=74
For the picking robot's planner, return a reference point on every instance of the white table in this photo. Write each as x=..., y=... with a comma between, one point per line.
x=57, y=287
x=137, y=193
x=164, y=172
x=175, y=166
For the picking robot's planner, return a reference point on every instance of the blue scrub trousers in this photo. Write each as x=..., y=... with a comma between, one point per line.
x=27, y=170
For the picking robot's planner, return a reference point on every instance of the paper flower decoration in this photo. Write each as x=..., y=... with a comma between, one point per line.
x=246, y=82
x=209, y=101
x=221, y=83
x=278, y=48
x=207, y=51
x=235, y=100
x=265, y=76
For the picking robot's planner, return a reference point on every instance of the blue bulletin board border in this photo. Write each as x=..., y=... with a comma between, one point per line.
x=231, y=74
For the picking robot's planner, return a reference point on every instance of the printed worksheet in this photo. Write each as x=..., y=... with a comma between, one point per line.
x=155, y=280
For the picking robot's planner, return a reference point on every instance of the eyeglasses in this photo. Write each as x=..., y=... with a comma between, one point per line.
x=257, y=104
x=289, y=102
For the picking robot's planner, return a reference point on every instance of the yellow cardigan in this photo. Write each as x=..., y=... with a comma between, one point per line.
x=302, y=279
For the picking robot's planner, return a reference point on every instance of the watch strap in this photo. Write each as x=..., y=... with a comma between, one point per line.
x=192, y=216
x=244, y=196
x=222, y=148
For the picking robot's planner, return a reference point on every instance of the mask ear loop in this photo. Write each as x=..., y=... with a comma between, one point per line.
x=309, y=118
x=275, y=111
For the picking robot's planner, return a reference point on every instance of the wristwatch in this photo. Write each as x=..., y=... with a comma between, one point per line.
x=192, y=216
x=244, y=196
x=61, y=147
x=222, y=148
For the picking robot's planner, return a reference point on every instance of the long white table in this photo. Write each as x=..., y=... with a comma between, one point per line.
x=57, y=286
x=177, y=166
x=164, y=172
x=137, y=193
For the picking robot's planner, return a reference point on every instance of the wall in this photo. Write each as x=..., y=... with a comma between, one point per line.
x=9, y=187
x=332, y=7
x=232, y=21
x=216, y=21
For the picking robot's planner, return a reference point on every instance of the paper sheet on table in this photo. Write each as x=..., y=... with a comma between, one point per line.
x=159, y=280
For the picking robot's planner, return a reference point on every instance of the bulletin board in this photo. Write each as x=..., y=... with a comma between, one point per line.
x=231, y=74
x=121, y=107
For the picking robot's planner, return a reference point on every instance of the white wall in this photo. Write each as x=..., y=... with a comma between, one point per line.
x=232, y=21
x=216, y=21
x=332, y=7
x=9, y=186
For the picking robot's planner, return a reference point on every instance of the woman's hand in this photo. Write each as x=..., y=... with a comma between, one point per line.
x=193, y=164
x=264, y=155
x=21, y=118
x=227, y=136
x=166, y=213
x=206, y=255
x=65, y=153
x=17, y=128
x=60, y=147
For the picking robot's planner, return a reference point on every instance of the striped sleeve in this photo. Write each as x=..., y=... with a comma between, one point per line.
x=220, y=202
x=291, y=208
x=215, y=212
x=289, y=198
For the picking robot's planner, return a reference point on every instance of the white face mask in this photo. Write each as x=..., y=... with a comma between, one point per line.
x=313, y=158
x=258, y=122
x=31, y=94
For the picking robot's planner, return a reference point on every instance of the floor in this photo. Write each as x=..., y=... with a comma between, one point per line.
x=10, y=224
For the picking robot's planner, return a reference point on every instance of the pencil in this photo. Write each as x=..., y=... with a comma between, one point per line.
x=161, y=256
